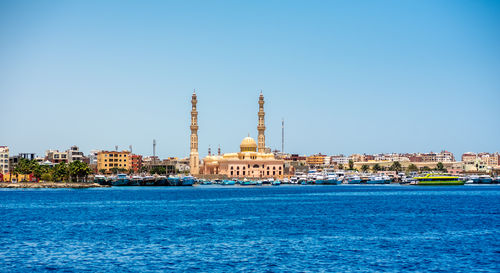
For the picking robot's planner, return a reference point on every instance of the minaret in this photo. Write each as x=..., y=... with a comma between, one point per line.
x=261, y=127
x=194, y=158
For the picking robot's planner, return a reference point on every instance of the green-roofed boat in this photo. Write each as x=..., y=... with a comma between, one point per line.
x=438, y=180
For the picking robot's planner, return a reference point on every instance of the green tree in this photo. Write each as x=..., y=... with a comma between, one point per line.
x=440, y=167
x=60, y=172
x=79, y=169
x=341, y=166
x=412, y=168
x=425, y=169
x=396, y=166
x=25, y=166
x=102, y=171
x=376, y=168
x=159, y=170
x=365, y=168
x=40, y=170
x=46, y=177
x=144, y=169
x=351, y=164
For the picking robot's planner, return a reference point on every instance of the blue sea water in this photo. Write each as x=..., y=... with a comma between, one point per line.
x=273, y=229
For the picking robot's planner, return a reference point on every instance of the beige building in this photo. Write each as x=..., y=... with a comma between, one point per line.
x=107, y=160
x=247, y=163
x=4, y=159
x=253, y=161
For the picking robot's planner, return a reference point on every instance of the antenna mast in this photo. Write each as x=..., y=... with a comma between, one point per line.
x=282, y=136
x=154, y=151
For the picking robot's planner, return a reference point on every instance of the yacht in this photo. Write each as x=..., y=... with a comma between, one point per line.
x=161, y=181
x=439, y=180
x=378, y=179
x=353, y=179
x=135, y=180
x=332, y=179
x=319, y=179
x=120, y=180
x=187, y=181
x=148, y=181
x=485, y=179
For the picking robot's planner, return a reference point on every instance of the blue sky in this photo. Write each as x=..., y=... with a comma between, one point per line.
x=347, y=76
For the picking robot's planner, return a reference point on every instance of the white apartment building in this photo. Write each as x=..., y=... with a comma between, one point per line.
x=4, y=159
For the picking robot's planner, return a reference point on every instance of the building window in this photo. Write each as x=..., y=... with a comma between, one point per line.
x=237, y=172
x=274, y=172
x=243, y=172
x=267, y=172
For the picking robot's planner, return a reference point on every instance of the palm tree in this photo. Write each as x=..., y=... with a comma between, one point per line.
x=365, y=168
x=351, y=164
x=396, y=166
x=412, y=168
x=376, y=168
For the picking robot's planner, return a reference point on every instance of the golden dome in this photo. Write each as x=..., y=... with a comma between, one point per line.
x=248, y=144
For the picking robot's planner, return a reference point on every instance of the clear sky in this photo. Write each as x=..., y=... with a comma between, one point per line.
x=347, y=76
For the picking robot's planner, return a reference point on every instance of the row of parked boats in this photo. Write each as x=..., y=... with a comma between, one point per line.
x=125, y=180
x=341, y=177
x=311, y=178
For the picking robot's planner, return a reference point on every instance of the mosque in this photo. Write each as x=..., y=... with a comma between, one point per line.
x=253, y=161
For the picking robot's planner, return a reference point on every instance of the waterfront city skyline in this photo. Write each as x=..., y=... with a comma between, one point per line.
x=347, y=78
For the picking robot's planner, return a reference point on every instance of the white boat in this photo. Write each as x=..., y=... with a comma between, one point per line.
x=378, y=179
x=352, y=179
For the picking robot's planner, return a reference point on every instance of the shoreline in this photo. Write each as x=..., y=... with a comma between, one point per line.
x=50, y=185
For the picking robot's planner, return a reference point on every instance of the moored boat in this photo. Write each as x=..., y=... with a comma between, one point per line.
x=377, y=179
x=485, y=179
x=120, y=180
x=332, y=179
x=438, y=180
x=174, y=181
x=187, y=181
x=135, y=181
x=161, y=181
x=352, y=179
x=228, y=182
x=148, y=181
x=101, y=180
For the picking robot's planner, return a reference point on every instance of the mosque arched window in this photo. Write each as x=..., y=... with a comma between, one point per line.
x=256, y=166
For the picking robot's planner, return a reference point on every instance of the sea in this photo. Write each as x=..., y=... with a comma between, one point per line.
x=346, y=228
